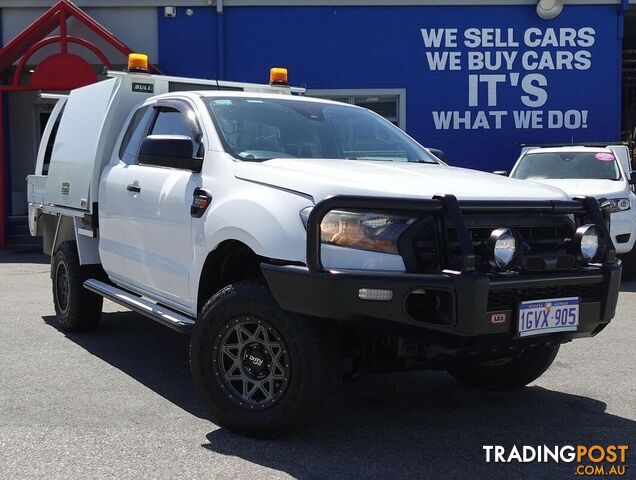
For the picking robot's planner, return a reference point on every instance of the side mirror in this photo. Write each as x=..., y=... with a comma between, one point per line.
x=174, y=151
x=439, y=154
x=634, y=135
x=503, y=173
x=632, y=178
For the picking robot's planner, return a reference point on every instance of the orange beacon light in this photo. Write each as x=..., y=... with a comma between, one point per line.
x=138, y=62
x=278, y=76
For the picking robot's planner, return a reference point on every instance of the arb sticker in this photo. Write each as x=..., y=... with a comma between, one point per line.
x=604, y=157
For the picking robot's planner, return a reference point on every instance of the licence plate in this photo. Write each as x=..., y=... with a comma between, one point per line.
x=548, y=316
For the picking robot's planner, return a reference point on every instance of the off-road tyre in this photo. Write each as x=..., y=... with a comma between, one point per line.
x=629, y=264
x=505, y=374
x=305, y=372
x=77, y=309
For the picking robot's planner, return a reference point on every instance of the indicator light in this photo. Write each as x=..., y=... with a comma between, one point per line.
x=375, y=294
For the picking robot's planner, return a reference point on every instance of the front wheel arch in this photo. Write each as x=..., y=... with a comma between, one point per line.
x=230, y=262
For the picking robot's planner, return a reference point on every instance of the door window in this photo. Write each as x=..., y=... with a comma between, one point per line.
x=135, y=133
x=171, y=121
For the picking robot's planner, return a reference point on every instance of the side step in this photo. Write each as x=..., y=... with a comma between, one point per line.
x=163, y=315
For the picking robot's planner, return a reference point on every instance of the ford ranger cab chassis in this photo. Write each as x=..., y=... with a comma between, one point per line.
x=300, y=241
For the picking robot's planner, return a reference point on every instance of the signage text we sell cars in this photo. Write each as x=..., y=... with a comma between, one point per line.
x=510, y=62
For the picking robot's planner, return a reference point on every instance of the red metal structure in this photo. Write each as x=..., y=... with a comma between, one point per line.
x=59, y=71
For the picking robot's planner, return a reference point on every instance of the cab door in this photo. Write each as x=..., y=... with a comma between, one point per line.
x=159, y=222
x=113, y=198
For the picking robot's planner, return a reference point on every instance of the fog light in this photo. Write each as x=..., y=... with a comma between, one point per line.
x=624, y=238
x=589, y=243
x=375, y=294
x=503, y=248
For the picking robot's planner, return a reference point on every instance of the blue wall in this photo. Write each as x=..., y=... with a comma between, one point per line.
x=187, y=45
x=383, y=47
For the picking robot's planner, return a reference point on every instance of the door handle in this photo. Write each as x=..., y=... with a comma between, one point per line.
x=133, y=188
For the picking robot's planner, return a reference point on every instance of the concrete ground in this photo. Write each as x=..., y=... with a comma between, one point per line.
x=119, y=403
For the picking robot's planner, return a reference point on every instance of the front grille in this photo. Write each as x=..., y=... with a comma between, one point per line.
x=541, y=234
x=427, y=251
x=508, y=299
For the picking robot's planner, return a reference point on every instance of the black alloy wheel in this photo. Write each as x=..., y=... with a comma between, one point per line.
x=253, y=362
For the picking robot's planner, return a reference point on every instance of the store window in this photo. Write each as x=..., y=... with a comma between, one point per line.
x=390, y=103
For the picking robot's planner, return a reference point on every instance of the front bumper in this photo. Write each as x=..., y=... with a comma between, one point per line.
x=462, y=305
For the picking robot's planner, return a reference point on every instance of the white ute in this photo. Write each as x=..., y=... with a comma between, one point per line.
x=602, y=172
x=299, y=240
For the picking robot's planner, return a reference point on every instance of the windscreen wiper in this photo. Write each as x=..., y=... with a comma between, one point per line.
x=421, y=160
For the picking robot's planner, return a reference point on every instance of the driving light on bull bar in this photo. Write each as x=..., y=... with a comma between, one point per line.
x=589, y=243
x=503, y=248
x=375, y=294
x=372, y=231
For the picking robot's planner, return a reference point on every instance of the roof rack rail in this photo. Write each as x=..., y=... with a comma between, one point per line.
x=174, y=83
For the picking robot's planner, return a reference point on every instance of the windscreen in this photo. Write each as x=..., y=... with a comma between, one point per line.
x=574, y=165
x=259, y=129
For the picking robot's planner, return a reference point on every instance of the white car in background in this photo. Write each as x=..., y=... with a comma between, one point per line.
x=602, y=172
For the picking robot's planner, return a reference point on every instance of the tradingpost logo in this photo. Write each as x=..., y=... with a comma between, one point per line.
x=588, y=460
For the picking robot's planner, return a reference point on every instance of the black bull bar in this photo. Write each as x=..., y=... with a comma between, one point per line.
x=452, y=209
x=315, y=291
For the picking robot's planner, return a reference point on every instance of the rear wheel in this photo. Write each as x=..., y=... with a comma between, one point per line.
x=506, y=373
x=260, y=370
x=629, y=264
x=76, y=308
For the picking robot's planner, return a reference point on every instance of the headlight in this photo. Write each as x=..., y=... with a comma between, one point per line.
x=503, y=248
x=619, y=204
x=590, y=243
x=378, y=232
